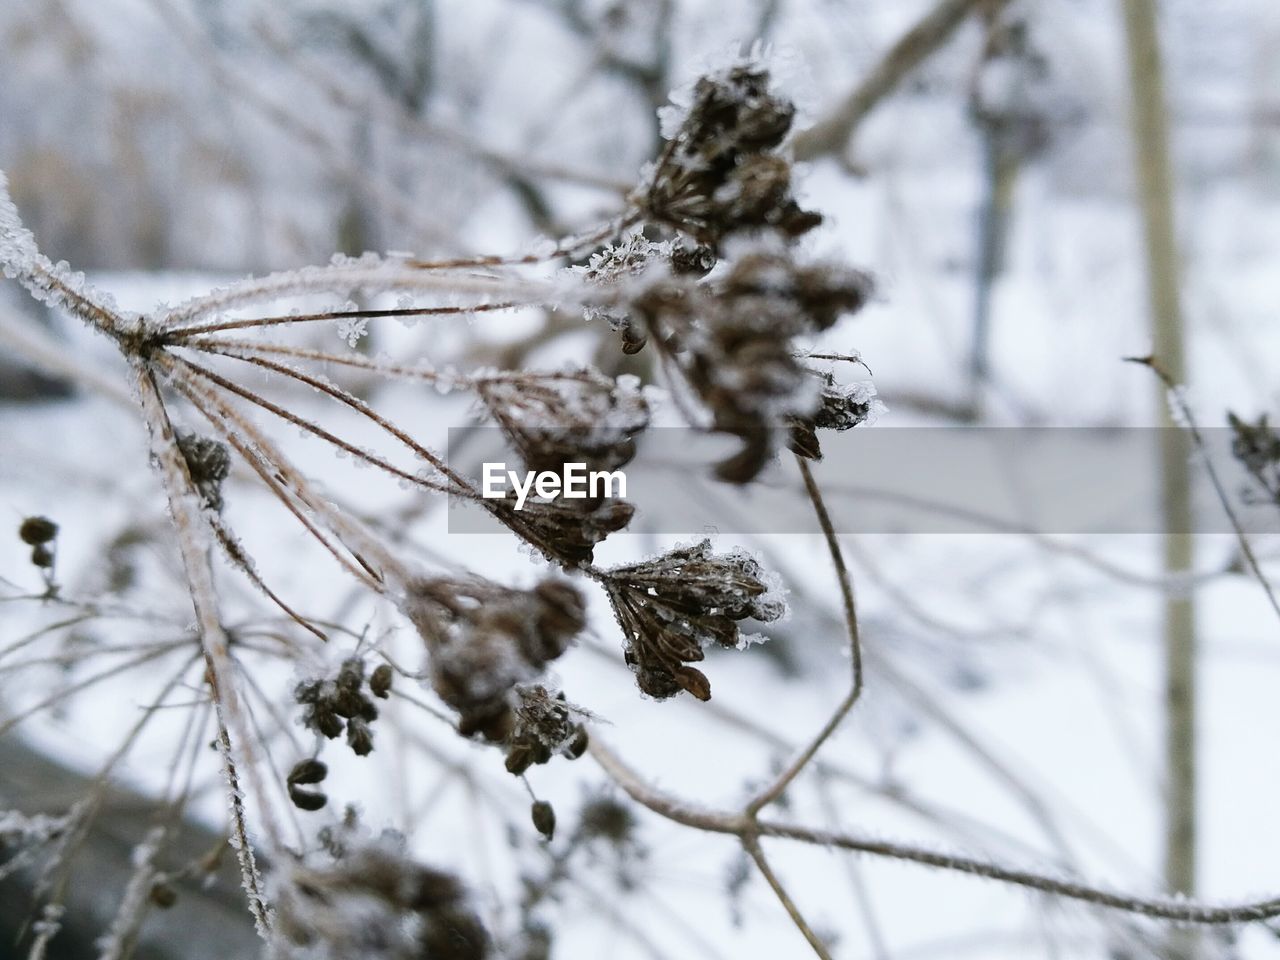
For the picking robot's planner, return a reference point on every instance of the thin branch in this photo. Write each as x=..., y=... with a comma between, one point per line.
x=775, y=790
x=752, y=846
x=739, y=825
x=1219, y=488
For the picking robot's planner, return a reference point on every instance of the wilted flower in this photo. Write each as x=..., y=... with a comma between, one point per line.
x=671, y=606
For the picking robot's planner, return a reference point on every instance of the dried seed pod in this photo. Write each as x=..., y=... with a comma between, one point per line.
x=307, y=799
x=544, y=818
x=359, y=736
x=36, y=531
x=578, y=745
x=380, y=681
x=42, y=556
x=308, y=771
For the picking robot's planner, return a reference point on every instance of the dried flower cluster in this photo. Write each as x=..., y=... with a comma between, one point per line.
x=732, y=343
x=670, y=607
x=365, y=897
x=485, y=639
x=578, y=417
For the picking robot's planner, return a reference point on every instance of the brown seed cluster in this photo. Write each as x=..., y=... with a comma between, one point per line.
x=670, y=607
x=554, y=419
x=341, y=703
x=485, y=639
x=720, y=172
x=544, y=726
x=372, y=899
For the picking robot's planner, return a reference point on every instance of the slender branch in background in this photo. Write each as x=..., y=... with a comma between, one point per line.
x=831, y=135
x=1154, y=175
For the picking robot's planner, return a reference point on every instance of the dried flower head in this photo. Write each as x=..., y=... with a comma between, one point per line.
x=565, y=531
x=578, y=417
x=732, y=342
x=719, y=172
x=484, y=639
x=670, y=607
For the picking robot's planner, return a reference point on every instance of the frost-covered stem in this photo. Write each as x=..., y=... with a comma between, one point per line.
x=177, y=334
x=752, y=845
x=237, y=751
x=775, y=789
x=314, y=429
x=1178, y=909
x=382, y=276
x=54, y=284
x=1188, y=417
x=281, y=489
x=1154, y=176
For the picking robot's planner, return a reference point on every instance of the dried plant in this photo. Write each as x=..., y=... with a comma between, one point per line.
x=719, y=292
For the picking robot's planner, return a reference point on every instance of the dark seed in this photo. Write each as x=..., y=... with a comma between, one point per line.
x=544, y=818
x=37, y=530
